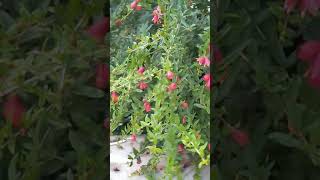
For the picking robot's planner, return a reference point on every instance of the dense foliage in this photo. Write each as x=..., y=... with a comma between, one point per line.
x=266, y=95
x=266, y=81
x=53, y=78
x=160, y=80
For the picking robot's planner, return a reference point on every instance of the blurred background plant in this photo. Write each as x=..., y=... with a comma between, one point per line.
x=53, y=82
x=265, y=108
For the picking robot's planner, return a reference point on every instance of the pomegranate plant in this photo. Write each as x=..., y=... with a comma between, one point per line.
x=160, y=82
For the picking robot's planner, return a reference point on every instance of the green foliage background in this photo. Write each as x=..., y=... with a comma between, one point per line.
x=264, y=92
x=47, y=59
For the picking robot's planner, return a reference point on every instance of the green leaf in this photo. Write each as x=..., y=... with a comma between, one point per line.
x=52, y=166
x=12, y=146
x=12, y=171
x=76, y=142
x=135, y=151
x=5, y=19
x=60, y=124
x=200, y=106
x=154, y=150
x=295, y=114
x=286, y=140
x=311, y=32
x=293, y=90
x=88, y=91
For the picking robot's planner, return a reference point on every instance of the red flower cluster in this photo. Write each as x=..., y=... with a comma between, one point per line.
x=309, y=6
x=156, y=15
x=310, y=53
x=13, y=110
x=203, y=61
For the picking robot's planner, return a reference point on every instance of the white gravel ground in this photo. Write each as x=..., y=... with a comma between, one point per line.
x=119, y=160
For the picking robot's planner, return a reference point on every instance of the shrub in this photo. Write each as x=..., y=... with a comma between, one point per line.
x=157, y=80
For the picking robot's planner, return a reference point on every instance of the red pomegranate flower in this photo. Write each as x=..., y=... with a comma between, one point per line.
x=180, y=148
x=172, y=87
x=170, y=75
x=240, y=137
x=309, y=6
x=114, y=97
x=308, y=51
x=133, y=138
x=139, y=8
x=99, y=29
x=156, y=15
x=133, y=5
x=13, y=110
x=102, y=76
x=206, y=62
x=203, y=61
x=208, y=84
x=147, y=106
x=143, y=85
x=141, y=70
x=207, y=79
x=184, y=105
x=184, y=120
x=156, y=19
